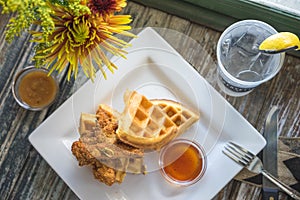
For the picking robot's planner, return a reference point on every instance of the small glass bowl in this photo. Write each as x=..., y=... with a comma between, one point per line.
x=16, y=83
x=170, y=149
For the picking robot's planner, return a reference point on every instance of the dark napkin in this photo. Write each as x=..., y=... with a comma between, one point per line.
x=288, y=165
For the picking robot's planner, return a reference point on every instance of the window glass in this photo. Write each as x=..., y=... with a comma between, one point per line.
x=289, y=6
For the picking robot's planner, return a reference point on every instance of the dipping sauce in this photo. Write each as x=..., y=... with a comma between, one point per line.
x=34, y=89
x=182, y=162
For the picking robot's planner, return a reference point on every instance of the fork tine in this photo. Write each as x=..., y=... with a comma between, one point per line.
x=240, y=153
x=242, y=149
x=237, y=160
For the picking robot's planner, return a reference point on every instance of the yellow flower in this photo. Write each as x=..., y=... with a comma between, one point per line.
x=82, y=40
x=27, y=12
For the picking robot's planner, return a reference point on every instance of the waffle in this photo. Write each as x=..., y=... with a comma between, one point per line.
x=87, y=123
x=150, y=124
x=179, y=114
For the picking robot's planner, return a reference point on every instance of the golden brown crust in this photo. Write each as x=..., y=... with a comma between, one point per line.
x=101, y=172
x=146, y=143
x=181, y=115
x=99, y=148
x=150, y=124
x=143, y=124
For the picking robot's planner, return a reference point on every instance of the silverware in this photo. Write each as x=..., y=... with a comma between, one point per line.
x=250, y=161
x=269, y=158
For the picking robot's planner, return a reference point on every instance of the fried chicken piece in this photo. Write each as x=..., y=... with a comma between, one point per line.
x=99, y=148
x=101, y=172
x=83, y=156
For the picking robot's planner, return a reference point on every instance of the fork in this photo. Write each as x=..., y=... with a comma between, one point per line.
x=250, y=161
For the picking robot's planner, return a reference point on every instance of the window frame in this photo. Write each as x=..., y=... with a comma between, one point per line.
x=219, y=14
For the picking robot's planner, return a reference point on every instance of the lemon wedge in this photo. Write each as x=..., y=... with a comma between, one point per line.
x=280, y=41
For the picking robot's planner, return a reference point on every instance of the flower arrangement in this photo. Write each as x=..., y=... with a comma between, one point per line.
x=73, y=33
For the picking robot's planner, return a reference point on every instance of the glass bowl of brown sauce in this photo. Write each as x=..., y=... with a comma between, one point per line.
x=34, y=89
x=182, y=162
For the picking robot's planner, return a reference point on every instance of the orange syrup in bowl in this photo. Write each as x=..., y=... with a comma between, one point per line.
x=182, y=162
x=34, y=89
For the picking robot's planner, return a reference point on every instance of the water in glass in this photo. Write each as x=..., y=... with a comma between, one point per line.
x=241, y=57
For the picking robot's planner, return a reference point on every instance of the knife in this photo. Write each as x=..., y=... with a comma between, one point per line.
x=270, y=191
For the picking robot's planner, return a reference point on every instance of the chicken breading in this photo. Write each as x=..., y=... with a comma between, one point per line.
x=99, y=148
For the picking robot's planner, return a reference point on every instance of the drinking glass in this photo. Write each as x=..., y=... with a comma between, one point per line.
x=241, y=66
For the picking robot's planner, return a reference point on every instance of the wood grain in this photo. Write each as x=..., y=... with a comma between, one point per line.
x=26, y=175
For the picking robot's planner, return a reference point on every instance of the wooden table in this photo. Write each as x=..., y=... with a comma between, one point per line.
x=26, y=175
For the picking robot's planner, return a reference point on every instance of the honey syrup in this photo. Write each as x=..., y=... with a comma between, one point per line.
x=183, y=162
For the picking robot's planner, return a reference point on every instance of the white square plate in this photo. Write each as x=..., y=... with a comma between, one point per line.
x=156, y=70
